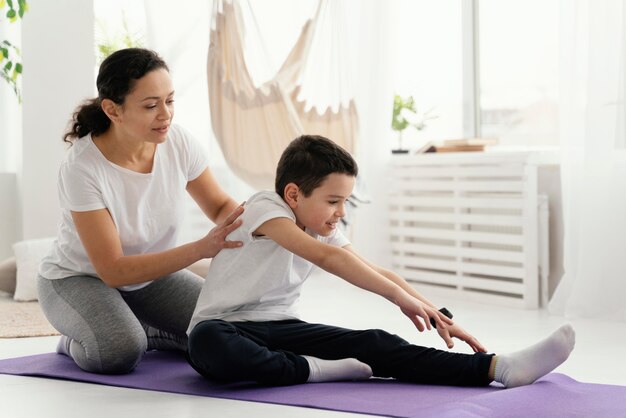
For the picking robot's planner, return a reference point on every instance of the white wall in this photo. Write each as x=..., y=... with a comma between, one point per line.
x=59, y=59
x=8, y=214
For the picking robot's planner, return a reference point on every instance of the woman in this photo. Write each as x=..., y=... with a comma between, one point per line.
x=114, y=282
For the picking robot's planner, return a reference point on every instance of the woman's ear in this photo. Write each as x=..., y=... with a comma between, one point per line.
x=111, y=109
x=291, y=193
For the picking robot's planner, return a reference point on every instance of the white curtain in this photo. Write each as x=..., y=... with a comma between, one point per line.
x=594, y=160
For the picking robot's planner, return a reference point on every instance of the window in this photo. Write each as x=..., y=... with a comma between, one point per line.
x=426, y=55
x=486, y=68
x=518, y=67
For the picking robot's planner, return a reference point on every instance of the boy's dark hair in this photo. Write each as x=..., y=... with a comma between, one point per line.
x=308, y=160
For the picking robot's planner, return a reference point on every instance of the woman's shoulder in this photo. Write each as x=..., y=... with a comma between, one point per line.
x=83, y=165
x=82, y=153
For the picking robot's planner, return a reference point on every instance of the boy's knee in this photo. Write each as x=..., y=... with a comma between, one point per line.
x=210, y=335
x=380, y=338
x=208, y=349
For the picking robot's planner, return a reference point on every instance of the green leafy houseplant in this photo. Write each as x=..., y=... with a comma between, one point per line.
x=405, y=114
x=107, y=44
x=10, y=65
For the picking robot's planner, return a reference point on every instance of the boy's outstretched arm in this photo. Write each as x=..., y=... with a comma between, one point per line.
x=351, y=268
x=452, y=331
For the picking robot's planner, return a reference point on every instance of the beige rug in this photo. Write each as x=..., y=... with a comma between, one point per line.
x=22, y=319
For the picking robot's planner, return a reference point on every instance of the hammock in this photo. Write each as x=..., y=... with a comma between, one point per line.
x=253, y=125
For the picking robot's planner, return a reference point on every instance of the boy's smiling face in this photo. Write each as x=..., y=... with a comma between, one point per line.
x=325, y=206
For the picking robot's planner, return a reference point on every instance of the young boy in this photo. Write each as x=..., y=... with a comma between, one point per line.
x=245, y=328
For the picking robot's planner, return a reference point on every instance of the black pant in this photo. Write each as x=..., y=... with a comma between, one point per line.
x=270, y=353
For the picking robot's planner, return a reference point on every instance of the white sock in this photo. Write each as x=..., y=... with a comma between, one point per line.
x=63, y=346
x=525, y=366
x=333, y=370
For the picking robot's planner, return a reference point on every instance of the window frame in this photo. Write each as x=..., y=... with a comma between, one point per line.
x=471, y=69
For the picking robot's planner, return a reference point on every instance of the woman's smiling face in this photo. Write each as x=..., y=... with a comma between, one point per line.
x=147, y=111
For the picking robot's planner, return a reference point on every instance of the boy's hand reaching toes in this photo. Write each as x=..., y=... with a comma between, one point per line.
x=455, y=331
x=420, y=313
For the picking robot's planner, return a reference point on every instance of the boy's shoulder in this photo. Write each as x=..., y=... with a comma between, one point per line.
x=264, y=203
x=267, y=197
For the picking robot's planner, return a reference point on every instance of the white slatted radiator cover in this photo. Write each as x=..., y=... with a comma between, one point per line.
x=471, y=223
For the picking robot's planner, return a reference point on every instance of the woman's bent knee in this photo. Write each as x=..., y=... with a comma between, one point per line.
x=106, y=336
x=118, y=355
x=125, y=354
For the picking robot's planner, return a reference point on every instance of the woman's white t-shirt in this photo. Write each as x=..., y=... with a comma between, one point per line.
x=146, y=208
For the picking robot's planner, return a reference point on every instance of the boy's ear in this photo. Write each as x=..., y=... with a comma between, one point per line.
x=292, y=192
x=111, y=109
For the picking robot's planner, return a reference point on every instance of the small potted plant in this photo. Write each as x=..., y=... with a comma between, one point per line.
x=404, y=115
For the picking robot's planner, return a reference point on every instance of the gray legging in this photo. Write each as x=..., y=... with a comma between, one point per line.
x=107, y=330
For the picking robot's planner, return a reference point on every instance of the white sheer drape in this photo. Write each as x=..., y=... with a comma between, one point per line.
x=594, y=160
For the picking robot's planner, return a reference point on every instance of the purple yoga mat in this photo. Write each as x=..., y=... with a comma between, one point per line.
x=553, y=395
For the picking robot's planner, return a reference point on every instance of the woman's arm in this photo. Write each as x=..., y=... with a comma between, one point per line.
x=208, y=194
x=99, y=236
x=102, y=243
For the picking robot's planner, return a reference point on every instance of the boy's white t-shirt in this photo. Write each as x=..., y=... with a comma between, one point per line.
x=146, y=208
x=260, y=281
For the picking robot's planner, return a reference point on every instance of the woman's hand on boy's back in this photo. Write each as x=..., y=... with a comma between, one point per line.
x=215, y=240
